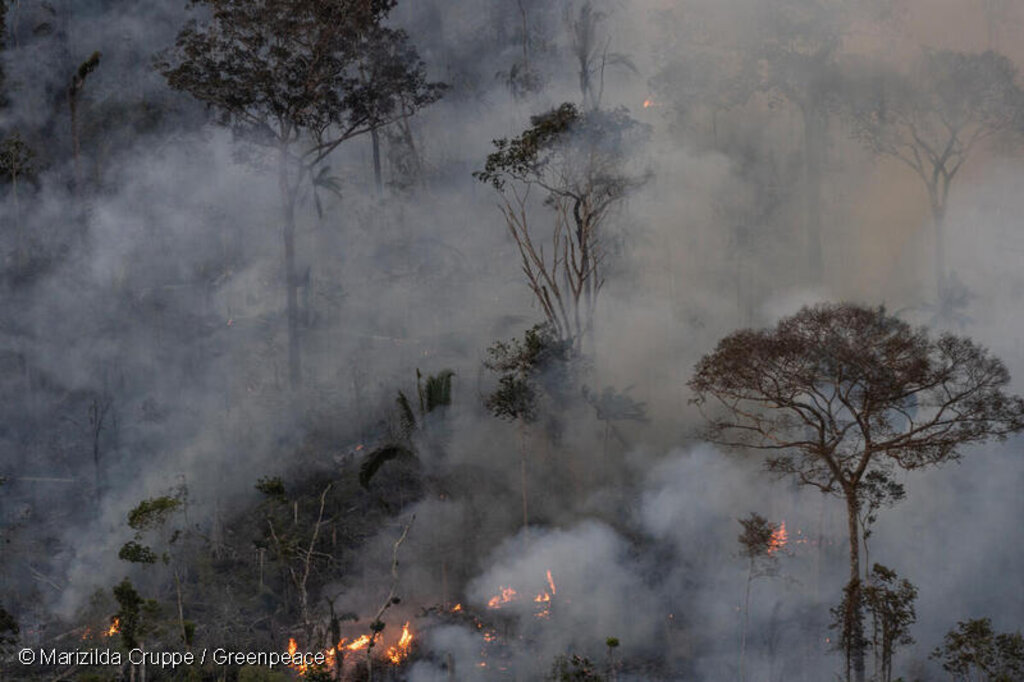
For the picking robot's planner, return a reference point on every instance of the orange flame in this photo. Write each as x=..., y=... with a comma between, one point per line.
x=648, y=103
x=507, y=595
x=361, y=643
x=398, y=653
x=456, y=608
x=115, y=627
x=544, y=598
x=292, y=648
x=779, y=539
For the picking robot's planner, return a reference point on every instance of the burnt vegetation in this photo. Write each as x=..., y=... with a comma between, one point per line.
x=592, y=340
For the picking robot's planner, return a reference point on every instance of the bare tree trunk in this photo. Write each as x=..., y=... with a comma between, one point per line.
x=291, y=281
x=181, y=609
x=377, y=178
x=815, y=130
x=853, y=626
x=522, y=474
x=939, y=229
x=746, y=622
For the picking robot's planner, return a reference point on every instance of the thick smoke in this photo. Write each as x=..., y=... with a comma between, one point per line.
x=159, y=298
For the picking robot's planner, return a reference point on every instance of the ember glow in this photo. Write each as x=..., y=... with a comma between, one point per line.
x=115, y=627
x=361, y=643
x=506, y=594
x=543, y=599
x=395, y=654
x=399, y=652
x=779, y=539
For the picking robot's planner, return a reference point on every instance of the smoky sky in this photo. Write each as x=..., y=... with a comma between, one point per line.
x=164, y=296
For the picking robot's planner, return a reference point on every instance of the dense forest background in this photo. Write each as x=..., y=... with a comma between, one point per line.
x=315, y=361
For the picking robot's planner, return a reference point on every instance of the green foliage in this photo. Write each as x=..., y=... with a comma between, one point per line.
x=848, y=622
x=574, y=669
x=526, y=155
x=613, y=405
x=878, y=489
x=435, y=391
x=756, y=538
x=283, y=66
x=539, y=350
x=890, y=602
x=137, y=553
x=514, y=398
x=974, y=652
x=540, y=361
x=271, y=486
x=16, y=159
x=129, y=615
x=376, y=459
x=153, y=512
x=406, y=417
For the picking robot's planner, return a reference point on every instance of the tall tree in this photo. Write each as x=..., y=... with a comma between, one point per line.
x=589, y=45
x=290, y=75
x=933, y=119
x=581, y=161
x=837, y=391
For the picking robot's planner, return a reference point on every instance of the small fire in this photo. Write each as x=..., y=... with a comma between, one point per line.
x=544, y=598
x=399, y=652
x=648, y=103
x=779, y=539
x=361, y=643
x=506, y=595
x=115, y=627
x=456, y=608
x=293, y=646
x=334, y=656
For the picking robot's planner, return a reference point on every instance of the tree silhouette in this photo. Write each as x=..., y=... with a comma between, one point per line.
x=299, y=77
x=837, y=391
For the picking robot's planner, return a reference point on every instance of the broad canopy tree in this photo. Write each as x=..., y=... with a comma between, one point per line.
x=299, y=77
x=838, y=391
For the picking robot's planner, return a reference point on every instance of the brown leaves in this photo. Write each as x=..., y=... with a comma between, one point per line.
x=838, y=385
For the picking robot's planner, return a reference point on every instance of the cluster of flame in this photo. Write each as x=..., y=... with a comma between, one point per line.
x=395, y=654
x=508, y=594
x=115, y=627
x=779, y=539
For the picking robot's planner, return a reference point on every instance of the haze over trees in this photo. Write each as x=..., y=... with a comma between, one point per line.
x=934, y=118
x=452, y=340
x=300, y=77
